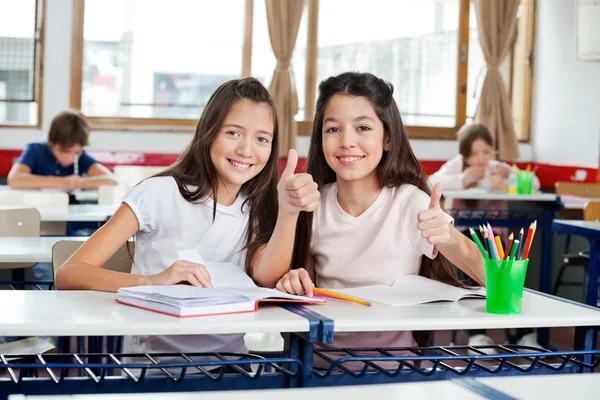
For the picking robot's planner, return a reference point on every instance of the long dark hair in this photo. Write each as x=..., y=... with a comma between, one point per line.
x=398, y=166
x=196, y=176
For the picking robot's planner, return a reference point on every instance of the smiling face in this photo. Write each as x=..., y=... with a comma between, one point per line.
x=243, y=145
x=353, y=138
x=66, y=155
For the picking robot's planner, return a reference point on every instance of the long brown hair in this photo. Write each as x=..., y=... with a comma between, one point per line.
x=398, y=166
x=196, y=176
x=467, y=134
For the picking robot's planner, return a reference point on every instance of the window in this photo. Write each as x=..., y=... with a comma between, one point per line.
x=153, y=60
x=429, y=50
x=20, y=62
x=156, y=63
x=411, y=44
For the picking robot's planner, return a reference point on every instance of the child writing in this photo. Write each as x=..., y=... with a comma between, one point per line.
x=61, y=162
x=377, y=219
x=220, y=198
x=475, y=166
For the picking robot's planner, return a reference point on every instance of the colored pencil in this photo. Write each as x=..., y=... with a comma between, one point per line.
x=484, y=237
x=493, y=242
x=328, y=293
x=499, y=247
x=520, y=244
x=496, y=183
x=513, y=250
x=511, y=238
x=478, y=242
x=530, y=234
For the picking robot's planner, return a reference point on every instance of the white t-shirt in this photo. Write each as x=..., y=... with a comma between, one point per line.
x=376, y=248
x=168, y=223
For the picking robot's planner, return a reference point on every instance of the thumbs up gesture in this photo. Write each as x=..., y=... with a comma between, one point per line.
x=433, y=222
x=297, y=192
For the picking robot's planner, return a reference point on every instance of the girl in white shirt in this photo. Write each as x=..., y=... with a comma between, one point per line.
x=377, y=219
x=220, y=198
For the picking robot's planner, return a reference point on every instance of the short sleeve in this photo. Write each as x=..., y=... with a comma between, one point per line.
x=85, y=162
x=29, y=157
x=144, y=200
x=417, y=201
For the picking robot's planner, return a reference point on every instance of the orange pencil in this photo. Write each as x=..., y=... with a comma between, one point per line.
x=511, y=239
x=496, y=183
x=328, y=293
x=500, y=249
x=528, y=168
x=530, y=234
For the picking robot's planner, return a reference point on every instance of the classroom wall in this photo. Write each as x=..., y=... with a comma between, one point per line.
x=566, y=92
x=546, y=144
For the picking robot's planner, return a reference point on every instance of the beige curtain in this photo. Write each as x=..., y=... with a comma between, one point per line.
x=497, y=21
x=284, y=21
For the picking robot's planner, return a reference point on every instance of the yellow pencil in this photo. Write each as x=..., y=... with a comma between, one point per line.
x=340, y=296
x=500, y=249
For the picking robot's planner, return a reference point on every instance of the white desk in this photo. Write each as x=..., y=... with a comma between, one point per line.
x=72, y=213
x=571, y=202
x=446, y=390
x=80, y=195
x=89, y=313
x=571, y=386
x=30, y=249
x=537, y=311
x=480, y=194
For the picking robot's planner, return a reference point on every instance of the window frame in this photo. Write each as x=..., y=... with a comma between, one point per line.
x=524, y=54
x=39, y=68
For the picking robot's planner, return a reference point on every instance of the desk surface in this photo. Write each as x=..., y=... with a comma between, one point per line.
x=568, y=386
x=587, y=225
x=480, y=194
x=76, y=212
x=537, y=311
x=80, y=195
x=446, y=390
x=30, y=249
x=83, y=313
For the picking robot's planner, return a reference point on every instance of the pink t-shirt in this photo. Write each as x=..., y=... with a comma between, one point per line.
x=375, y=248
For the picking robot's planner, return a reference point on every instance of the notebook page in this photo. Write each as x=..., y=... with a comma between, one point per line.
x=222, y=274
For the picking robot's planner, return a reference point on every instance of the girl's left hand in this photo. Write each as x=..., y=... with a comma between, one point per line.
x=433, y=224
x=297, y=192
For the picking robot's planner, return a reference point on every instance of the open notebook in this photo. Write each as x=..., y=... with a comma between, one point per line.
x=233, y=292
x=410, y=290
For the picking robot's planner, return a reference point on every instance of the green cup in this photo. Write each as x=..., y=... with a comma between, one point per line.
x=525, y=182
x=504, y=285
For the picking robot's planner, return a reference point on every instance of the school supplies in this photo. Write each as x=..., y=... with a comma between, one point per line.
x=530, y=234
x=493, y=242
x=412, y=290
x=76, y=164
x=496, y=183
x=500, y=249
x=233, y=292
x=478, y=242
x=511, y=239
x=339, y=296
x=520, y=242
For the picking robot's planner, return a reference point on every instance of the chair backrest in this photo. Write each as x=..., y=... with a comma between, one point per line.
x=130, y=175
x=592, y=211
x=578, y=189
x=121, y=261
x=20, y=222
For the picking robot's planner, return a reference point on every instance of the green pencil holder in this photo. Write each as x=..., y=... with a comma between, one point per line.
x=525, y=182
x=504, y=285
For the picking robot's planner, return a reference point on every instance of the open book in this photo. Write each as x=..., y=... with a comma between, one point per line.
x=233, y=292
x=410, y=290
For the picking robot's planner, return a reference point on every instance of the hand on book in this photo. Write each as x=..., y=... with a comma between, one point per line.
x=433, y=224
x=182, y=271
x=297, y=192
x=297, y=281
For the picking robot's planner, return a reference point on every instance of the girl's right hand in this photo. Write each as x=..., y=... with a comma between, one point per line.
x=472, y=175
x=182, y=271
x=296, y=281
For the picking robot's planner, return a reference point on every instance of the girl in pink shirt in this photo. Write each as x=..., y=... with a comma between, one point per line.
x=377, y=219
